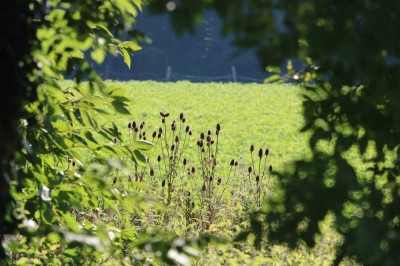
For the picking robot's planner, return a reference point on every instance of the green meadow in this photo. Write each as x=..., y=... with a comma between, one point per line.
x=267, y=116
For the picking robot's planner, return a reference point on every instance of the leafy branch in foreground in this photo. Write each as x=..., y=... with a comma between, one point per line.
x=65, y=205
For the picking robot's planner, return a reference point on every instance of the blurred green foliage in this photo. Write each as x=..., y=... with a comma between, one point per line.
x=57, y=204
x=352, y=103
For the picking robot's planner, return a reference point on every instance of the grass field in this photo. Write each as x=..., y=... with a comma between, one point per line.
x=266, y=116
x=207, y=183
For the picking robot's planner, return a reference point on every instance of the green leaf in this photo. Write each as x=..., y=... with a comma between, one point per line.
x=272, y=78
x=274, y=69
x=133, y=46
x=127, y=58
x=99, y=26
x=95, y=99
x=138, y=4
x=129, y=233
x=120, y=107
x=71, y=252
x=144, y=145
x=139, y=158
x=90, y=137
x=111, y=91
x=71, y=222
x=98, y=55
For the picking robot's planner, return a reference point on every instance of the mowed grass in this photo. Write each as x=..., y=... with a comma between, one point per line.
x=267, y=116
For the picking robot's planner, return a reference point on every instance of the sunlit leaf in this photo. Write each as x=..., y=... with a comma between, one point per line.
x=144, y=145
x=127, y=58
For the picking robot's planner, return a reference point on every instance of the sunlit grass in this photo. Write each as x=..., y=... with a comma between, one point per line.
x=268, y=116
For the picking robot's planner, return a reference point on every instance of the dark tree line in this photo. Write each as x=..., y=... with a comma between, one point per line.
x=203, y=52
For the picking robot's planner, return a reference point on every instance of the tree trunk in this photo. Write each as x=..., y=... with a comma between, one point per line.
x=17, y=39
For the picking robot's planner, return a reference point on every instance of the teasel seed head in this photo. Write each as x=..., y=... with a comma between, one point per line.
x=181, y=116
x=172, y=147
x=115, y=180
x=236, y=163
x=193, y=170
x=266, y=152
x=163, y=120
x=154, y=134
x=184, y=120
x=209, y=132
x=219, y=181
x=73, y=163
x=159, y=135
x=251, y=148
x=203, y=188
x=163, y=115
x=159, y=158
x=260, y=153
x=163, y=183
x=257, y=179
x=129, y=125
x=249, y=169
x=232, y=162
x=176, y=139
x=270, y=168
x=190, y=133
x=187, y=129
x=151, y=172
x=201, y=135
x=218, y=127
x=133, y=125
x=142, y=125
x=184, y=161
x=160, y=130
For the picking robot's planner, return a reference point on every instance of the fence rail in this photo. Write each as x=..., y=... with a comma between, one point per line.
x=169, y=75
